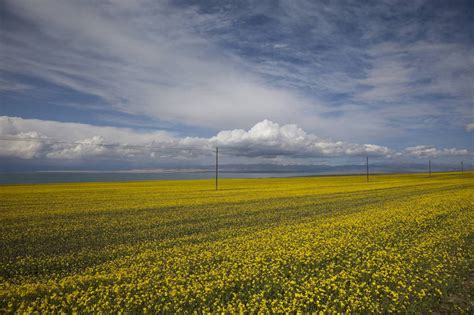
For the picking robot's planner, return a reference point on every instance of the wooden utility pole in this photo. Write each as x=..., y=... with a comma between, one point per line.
x=462, y=167
x=217, y=168
x=367, y=168
x=429, y=167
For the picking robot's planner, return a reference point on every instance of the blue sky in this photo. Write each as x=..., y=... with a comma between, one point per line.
x=391, y=79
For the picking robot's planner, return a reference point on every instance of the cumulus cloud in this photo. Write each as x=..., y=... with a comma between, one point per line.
x=268, y=138
x=26, y=146
x=39, y=139
x=89, y=147
x=33, y=139
x=422, y=151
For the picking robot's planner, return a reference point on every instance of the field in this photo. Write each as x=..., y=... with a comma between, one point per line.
x=400, y=243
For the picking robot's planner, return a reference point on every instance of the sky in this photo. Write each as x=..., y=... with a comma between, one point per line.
x=153, y=83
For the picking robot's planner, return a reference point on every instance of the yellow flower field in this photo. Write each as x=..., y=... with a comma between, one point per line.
x=400, y=243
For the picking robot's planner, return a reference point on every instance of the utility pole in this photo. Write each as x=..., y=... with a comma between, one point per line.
x=462, y=167
x=367, y=168
x=429, y=167
x=217, y=168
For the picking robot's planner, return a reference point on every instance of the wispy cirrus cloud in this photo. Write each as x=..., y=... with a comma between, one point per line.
x=143, y=59
x=379, y=61
x=409, y=72
x=6, y=85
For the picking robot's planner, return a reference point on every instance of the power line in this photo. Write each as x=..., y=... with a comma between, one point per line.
x=118, y=145
x=111, y=145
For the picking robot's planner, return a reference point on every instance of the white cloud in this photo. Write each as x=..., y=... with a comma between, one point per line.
x=422, y=151
x=406, y=71
x=71, y=132
x=61, y=140
x=33, y=138
x=145, y=59
x=470, y=127
x=266, y=139
x=89, y=147
x=26, y=146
